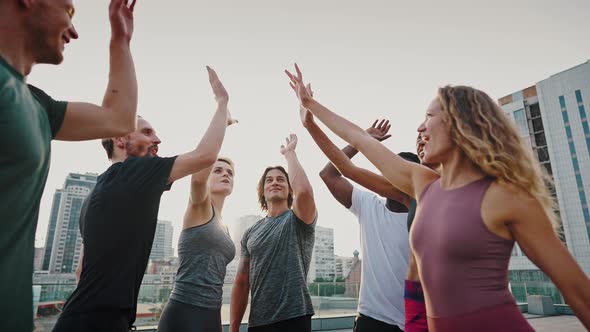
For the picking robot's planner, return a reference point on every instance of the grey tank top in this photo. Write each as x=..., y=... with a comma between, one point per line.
x=203, y=252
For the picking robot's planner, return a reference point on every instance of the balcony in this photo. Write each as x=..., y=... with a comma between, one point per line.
x=335, y=305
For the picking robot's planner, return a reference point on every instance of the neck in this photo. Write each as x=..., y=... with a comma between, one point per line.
x=458, y=171
x=277, y=208
x=118, y=158
x=218, y=200
x=13, y=43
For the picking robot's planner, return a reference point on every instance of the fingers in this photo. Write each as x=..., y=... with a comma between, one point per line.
x=309, y=90
x=212, y=74
x=293, y=87
x=132, y=7
x=299, y=74
x=374, y=123
x=387, y=128
x=115, y=5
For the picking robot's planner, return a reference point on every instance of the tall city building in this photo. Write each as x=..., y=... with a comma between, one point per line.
x=162, y=245
x=239, y=228
x=64, y=242
x=38, y=260
x=323, y=259
x=552, y=118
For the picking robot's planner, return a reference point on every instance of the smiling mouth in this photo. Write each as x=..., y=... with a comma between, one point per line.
x=153, y=151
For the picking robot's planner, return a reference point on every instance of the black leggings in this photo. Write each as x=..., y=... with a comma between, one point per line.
x=102, y=321
x=181, y=317
x=364, y=323
x=299, y=324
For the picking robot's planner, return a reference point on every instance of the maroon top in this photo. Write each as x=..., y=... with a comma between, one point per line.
x=463, y=266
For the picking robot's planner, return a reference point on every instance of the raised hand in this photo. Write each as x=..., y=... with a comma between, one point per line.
x=121, y=17
x=298, y=86
x=221, y=95
x=379, y=131
x=291, y=143
x=219, y=91
x=304, y=114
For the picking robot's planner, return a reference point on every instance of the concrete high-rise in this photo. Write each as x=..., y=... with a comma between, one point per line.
x=323, y=263
x=63, y=243
x=162, y=245
x=552, y=118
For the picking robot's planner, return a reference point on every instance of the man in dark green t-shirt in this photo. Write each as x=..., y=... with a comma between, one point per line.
x=35, y=32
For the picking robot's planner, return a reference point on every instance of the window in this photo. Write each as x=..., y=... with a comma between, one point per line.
x=535, y=111
x=543, y=154
x=537, y=125
x=521, y=122
x=540, y=139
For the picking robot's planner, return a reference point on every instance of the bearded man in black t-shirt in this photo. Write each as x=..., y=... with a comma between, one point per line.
x=118, y=220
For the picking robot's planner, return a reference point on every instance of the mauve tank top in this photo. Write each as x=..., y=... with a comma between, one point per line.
x=463, y=266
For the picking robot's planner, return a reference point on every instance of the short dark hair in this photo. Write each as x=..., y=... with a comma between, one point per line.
x=109, y=146
x=409, y=156
x=260, y=188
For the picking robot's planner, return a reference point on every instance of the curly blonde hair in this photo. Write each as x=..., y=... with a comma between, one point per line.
x=482, y=131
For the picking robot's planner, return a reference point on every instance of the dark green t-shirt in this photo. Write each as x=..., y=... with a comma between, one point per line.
x=29, y=119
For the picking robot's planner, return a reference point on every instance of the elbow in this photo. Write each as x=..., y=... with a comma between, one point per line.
x=124, y=126
x=128, y=128
x=205, y=158
x=324, y=175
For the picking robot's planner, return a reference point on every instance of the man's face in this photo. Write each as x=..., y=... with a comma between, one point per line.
x=143, y=141
x=50, y=26
x=276, y=186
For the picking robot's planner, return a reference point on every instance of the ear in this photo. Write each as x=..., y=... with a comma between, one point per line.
x=26, y=4
x=120, y=142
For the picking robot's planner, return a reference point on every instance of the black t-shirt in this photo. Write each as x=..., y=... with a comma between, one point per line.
x=118, y=223
x=411, y=213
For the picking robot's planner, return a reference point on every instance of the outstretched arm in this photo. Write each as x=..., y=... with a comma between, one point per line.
x=341, y=163
x=531, y=228
x=409, y=177
x=303, y=200
x=239, y=295
x=118, y=114
x=205, y=154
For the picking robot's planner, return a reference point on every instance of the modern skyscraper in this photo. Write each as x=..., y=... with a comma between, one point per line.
x=323, y=259
x=239, y=228
x=64, y=242
x=162, y=245
x=551, y=116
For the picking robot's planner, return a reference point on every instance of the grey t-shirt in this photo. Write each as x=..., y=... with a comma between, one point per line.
x=280, y=251
x=204, y=252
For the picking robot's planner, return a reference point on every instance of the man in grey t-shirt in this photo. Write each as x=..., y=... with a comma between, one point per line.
x=276, y=253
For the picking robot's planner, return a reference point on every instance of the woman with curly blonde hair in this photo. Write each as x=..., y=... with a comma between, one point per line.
x=489, y=193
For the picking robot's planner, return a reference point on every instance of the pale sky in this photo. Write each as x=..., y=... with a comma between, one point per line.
x=366, y=60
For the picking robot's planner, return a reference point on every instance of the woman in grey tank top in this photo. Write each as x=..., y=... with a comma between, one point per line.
x=204, y=249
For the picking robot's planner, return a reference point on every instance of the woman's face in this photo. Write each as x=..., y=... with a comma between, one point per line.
x=221, y=180
x=437, y=143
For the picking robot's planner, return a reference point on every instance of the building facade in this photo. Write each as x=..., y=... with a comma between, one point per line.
x=552, y=119
x=63, y=243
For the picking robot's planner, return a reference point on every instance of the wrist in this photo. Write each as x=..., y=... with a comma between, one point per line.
x=119, y=42
x=306, y=101
x=290, y=154
x=222, y=103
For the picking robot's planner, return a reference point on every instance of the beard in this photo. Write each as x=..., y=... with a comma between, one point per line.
x=134, y=150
